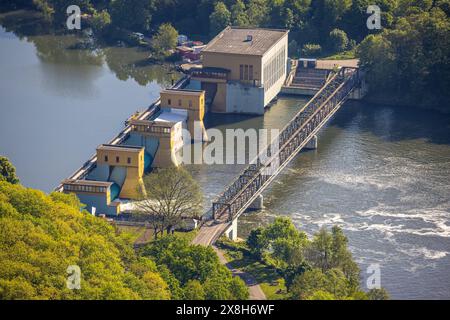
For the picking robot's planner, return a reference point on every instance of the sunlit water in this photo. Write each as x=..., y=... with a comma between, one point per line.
x=379, y=172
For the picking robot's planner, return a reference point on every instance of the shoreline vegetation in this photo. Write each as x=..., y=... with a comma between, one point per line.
x=43, y=236
x=289, y=265
x=406, y=62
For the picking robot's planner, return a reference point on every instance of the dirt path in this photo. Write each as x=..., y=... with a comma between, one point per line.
x=254, y=289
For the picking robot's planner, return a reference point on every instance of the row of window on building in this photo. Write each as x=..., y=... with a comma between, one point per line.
x=84, y=188
x=153, y=129
x=118, y=159
x=274, y=69
x=180, y=103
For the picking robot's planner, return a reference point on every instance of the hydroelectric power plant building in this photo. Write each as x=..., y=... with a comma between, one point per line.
x=243, y=70
x=150, y=140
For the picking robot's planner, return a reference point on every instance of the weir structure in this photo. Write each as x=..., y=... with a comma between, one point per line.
x=247, y=188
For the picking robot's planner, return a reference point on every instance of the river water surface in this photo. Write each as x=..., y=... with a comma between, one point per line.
x=382, y=173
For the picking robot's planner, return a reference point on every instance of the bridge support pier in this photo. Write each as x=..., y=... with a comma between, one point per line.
x=258, y=204
x=231, y=232
x=312, y=143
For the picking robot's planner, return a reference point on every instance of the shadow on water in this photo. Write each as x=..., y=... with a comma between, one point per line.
x=215, y=120
x=395, y=123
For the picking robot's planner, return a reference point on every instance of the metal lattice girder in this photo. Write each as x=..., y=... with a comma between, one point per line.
x=296, y=133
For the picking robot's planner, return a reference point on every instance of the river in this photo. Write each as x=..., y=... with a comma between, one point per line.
x=379, y=172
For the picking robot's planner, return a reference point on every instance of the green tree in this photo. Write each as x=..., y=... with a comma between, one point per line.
x=132, y=15
x=280, y=244
x=378, y=294
x=288, y=18
x=320, y=252
x=219, y=19
x=305, y=284
x=44, y=234
x=338, y=40
x=171, y=194
x=100, y=21
x=258, y=12
x=238, y=289
x=7, y=171
x=311, y=50
x=256, y=242
x=194, y=290
x=188, y=262
x=165, y=39
x=321, y=295
x=396, y=59
x=238, y=14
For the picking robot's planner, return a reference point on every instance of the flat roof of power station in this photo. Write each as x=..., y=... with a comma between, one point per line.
x=183, y=91
x=247, y=41
x=116, y=147
x=172, y=117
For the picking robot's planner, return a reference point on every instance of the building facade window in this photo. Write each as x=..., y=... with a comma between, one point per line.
x=274, y=69
x=179, y=102
x=169, y=102
x=190, y=103
x=106, y=158
x=117, y=159
x=246, y=72
x=128, y=160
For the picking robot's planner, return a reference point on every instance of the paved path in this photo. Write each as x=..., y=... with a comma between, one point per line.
x=329, y=64
x=209, y=232
x=254, y=289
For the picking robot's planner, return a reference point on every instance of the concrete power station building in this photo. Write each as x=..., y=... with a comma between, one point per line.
x=243, y=69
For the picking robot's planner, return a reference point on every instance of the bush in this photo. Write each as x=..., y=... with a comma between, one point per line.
x=338, y=40
x=311, y=50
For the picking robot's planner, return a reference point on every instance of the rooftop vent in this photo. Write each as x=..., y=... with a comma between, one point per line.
x=249, y=37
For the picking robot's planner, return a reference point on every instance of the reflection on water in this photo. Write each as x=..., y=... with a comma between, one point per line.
x=59, y=103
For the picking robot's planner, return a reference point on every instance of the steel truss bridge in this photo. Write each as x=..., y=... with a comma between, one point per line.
x=257, y=176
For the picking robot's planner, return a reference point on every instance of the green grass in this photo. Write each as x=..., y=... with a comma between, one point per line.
x=350, y=54
x=188, y=235
x=272, y=284
x=131, y=232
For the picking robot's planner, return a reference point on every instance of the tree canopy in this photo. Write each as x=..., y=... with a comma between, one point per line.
x=169, y=195
x=321, y=268
x=195, y=267
x=7, y=171
x=42, y=235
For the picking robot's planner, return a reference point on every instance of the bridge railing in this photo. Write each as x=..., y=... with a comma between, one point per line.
x=254, y=178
